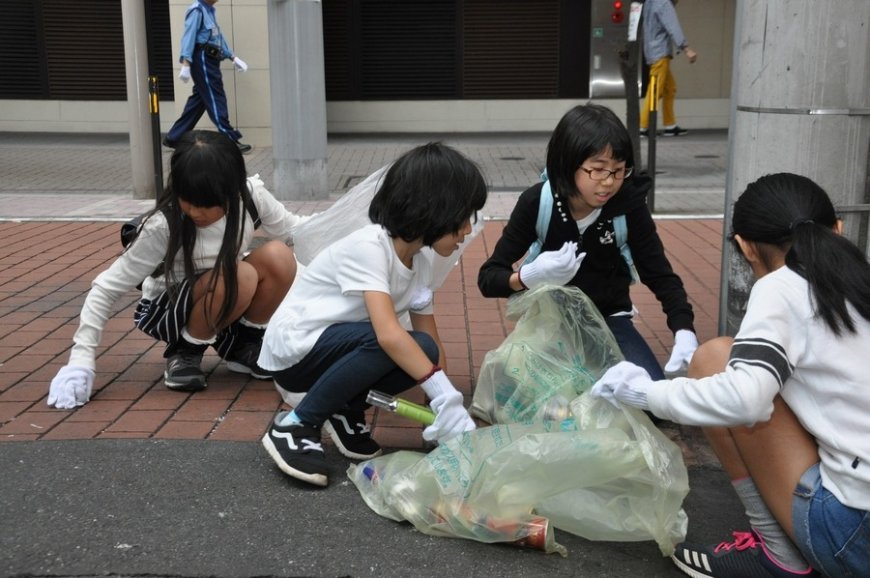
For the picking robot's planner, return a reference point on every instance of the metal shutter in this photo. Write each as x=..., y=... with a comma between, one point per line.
x=510, y=49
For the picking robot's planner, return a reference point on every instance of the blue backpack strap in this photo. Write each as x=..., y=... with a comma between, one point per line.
x=545, y=210
x=621, y=230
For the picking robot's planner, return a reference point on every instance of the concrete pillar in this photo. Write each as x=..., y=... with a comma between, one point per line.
x=800, y=103
x=298, y=94
x=138, y=112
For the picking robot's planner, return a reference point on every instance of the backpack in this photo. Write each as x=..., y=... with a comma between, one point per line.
x=545, y=209
x=130, y=229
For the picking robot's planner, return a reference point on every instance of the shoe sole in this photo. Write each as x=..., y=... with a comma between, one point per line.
x=237, y=367
x=193, y=385
x=686, y=569
x=333, y=435
x=316, y=479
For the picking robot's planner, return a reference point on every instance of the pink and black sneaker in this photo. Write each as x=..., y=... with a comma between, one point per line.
x=744, y=557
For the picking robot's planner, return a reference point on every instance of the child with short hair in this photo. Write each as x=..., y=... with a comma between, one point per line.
x=200, y=285
x=785, y=403
x=591, y=177
x=337, y=335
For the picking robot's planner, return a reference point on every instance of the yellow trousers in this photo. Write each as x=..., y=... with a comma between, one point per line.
x=666, y=87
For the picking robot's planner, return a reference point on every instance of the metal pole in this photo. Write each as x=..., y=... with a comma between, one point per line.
x=136, y=60
x=652, y=88
x=154, y=109
x=298, y=90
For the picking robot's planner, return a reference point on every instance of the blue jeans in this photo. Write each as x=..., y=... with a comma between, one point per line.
x=633, y=346
x=834, y=538
x=341, y=368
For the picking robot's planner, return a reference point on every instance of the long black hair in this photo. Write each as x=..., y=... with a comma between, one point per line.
x=429, y=192
x=794, y=214
x=583, y=132
x=206, y=170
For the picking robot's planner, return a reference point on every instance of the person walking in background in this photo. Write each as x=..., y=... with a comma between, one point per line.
x=661, y=30
x=785, y=403
x=203, y=47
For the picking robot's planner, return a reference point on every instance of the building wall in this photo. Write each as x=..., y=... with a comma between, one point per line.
x=702, y=100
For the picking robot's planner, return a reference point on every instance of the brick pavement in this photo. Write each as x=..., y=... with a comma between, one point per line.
x=47, y=269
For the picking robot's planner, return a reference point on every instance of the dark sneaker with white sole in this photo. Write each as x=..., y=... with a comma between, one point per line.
x=183, y=371
x=352, y=435
x=297, y=451
x=744, y=557
x=243, y=359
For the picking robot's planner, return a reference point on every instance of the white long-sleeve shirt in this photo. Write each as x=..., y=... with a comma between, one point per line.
x=782, y=347
x=135, y=265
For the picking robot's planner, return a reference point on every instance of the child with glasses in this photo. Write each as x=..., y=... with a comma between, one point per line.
x=785, y=403
x=591, y=177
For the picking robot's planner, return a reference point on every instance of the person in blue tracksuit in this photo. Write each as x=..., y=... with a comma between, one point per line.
x=202, y=49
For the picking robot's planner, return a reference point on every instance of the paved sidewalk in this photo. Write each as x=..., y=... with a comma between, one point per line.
x=60, y=199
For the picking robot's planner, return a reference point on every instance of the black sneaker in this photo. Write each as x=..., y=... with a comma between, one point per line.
x=183, y=372
x=168, y=143
x=245, y=148
x=742, y=558
x=352, y=435
x=644, y=132
x=243, y=359
x=296, y=449
x=675, y=131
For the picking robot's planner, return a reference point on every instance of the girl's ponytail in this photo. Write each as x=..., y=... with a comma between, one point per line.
x=796, y=215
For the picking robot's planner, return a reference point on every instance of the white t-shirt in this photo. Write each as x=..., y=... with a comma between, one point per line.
x=135, y=265
x=782, y=347
x=330, y=290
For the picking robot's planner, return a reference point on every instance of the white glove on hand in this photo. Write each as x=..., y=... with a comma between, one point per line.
x=552, y=267
x=451, y=418
x=685, y=344
x=240, y=64
x=71, y=387
x=624, y=382
x=184, y=75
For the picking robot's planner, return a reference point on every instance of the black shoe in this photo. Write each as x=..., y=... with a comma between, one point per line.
x=296, y=449
x=243, y=359
x=644, y=132
x=352, y=435
x=675, y=131
x=245, y=148
x=183, y=372
x=168, y=143
x=745, y=557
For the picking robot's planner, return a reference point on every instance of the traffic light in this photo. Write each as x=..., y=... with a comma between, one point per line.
x=617, y=16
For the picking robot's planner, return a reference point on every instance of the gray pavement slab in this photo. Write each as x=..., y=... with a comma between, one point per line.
x=206, y=508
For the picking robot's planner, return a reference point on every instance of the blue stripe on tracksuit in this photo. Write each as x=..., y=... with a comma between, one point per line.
x=208, y=96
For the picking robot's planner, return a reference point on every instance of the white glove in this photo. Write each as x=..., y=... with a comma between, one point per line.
x=184, y=75
x=685, y=344
x=624, y=382
x=552, y=267
x=240, y=64
x=71, y=387
x=451, y=417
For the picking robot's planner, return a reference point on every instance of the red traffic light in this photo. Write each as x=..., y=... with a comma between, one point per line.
x=617, y=5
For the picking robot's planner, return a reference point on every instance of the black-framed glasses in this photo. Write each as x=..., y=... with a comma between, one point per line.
x=604, y=174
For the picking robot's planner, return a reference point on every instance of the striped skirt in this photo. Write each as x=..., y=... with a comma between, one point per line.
x=163, y=318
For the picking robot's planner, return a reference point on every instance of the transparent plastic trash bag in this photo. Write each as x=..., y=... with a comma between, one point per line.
x=606, y=474
x=558, y=349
